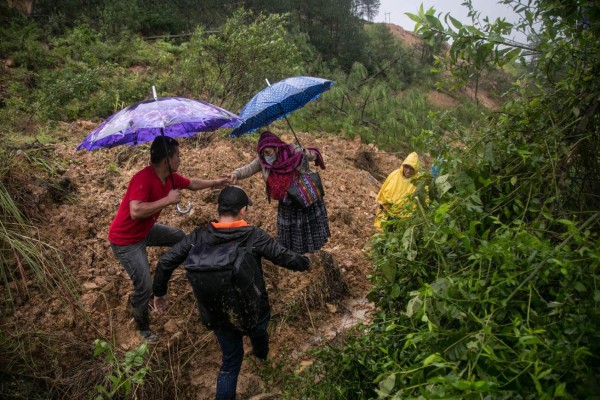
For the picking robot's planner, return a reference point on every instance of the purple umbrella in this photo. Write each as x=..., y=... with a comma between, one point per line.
x=172, y=116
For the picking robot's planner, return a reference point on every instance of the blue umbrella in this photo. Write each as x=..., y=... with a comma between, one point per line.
x=278, y=100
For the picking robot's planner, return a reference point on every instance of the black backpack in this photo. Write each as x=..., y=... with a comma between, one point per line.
x=225, y=279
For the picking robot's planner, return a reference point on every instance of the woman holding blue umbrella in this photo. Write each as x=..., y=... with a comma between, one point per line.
x=301, y=229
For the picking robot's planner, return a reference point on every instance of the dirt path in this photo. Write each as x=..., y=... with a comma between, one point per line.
x=308, y=308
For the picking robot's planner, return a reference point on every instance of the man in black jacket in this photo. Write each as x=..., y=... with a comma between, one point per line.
x=233, y=205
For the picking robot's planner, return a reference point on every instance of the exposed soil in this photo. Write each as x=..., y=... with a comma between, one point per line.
x=308, y=308
x=73, y=214
x=440, y=99
x=452, y=98
x=408, y=38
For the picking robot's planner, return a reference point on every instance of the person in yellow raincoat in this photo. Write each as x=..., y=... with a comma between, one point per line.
x=396, y=190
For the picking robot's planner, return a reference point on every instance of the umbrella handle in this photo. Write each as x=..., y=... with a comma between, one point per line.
x=186, y=210
x=162, y=132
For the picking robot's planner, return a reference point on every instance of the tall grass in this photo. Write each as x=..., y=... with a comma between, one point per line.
x=24, y=256
x=26, y=261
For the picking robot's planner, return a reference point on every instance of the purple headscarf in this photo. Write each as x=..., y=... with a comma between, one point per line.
x=287, y=158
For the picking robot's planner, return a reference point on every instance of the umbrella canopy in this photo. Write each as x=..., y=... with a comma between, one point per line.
x=172, y=116
x=278, y=100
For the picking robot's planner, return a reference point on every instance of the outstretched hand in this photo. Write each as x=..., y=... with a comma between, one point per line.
x=231, y=178
x=221, y=182
x=161, y=303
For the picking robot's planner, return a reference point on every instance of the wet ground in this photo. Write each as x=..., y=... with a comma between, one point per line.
x=308, y=308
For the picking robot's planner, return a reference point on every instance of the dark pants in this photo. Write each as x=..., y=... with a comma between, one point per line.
x=134, y=259
x=232, y=348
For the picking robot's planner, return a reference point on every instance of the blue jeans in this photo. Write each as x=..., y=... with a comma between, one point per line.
x=232, y=348
x=134, y=259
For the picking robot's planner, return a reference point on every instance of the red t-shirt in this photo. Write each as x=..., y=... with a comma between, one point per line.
x=145, y=186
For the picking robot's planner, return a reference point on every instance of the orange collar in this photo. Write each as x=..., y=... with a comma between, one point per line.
x=235, y=224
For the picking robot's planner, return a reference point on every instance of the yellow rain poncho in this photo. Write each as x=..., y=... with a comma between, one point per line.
x=395, y=192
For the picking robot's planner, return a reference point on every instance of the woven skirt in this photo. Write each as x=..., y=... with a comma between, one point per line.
x=304, y=230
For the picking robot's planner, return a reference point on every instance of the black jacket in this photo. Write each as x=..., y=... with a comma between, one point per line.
x=264, y=246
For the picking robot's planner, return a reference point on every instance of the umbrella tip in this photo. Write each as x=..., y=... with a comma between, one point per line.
x=154, y=91
x=268, y=83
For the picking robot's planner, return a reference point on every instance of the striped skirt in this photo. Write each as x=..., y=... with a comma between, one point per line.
x=304, y=230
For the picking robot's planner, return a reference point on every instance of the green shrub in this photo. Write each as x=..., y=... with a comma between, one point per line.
x=490, y=290
x=21, y=43
x=120, y=16
x=232, y=65
x=124, y=373
x=476, y=299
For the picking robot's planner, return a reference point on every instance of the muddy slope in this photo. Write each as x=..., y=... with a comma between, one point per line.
x=308, y=308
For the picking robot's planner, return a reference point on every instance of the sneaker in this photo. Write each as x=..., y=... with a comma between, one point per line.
x=149, y=336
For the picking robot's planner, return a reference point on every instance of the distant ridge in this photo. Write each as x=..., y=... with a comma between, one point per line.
x=407, y=37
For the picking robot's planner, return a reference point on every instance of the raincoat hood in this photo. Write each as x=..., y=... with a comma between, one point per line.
x=413, y=160
x=395, y=192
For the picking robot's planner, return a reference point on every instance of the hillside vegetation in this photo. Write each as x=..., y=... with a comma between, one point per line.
x=490, y=290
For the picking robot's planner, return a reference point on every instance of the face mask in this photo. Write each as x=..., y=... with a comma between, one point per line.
x=270, y=159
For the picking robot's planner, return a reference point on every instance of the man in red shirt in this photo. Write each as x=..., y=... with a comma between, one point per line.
x=134, y=227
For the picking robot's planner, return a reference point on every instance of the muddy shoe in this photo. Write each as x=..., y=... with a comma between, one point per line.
x=149, y=336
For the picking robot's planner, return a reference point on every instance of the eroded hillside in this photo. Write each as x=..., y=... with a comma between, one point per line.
x=308, y=308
